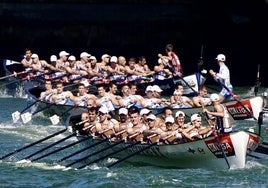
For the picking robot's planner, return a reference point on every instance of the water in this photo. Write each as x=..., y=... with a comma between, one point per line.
x=48, y=173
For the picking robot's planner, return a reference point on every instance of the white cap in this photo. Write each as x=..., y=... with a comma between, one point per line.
x=113, y=59
x=85, y=82
x=151, y=116
x=62, y=53
x=149, y=88
x=157, y=88
x=92, y=58
x=169, y=119
x=214, y=97
x=34, y=56
x=53, y=58
x=123, y=111
x=144, y=111
x=195, y=117
x=221, y=57
x=84, y=54
x=104, y=56
x=72, y=58
x=176, y=92
x=103, y=110
x=180, y=113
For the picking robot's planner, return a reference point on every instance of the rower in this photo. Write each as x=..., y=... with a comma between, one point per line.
x=180, y=101
x=105, y=126
x=82, y=97
x=61, y=96
x=27, y=60
x=90, y=125
x=195, y=130
x=202, y=99
x=223, y=117
x=135, y=127
x=121, y=128
x=48, y=93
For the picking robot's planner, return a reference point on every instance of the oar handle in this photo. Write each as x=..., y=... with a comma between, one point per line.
x=15, y=74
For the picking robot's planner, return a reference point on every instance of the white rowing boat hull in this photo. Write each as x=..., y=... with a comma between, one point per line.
x=239, y=110
x=197, y=154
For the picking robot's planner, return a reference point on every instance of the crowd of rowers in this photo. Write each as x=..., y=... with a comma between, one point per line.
x=134, y=119
x=134, y=124
x=110, y=99
x=109, y=68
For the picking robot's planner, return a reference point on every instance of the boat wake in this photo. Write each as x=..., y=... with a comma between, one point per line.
x=41, y=165
x=253, y=164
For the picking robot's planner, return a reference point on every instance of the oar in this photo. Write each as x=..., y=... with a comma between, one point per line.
x=235, y=97
x=216, y=136
x=5, y=84
x=21, y=79
x=132, y=154
x=261, y=149
x=16, y=115
x=32, y=144
x=195, y=92
x=51, y=145
x=26, y=117
x=55, y=119
x=257, y=84
x=83, y=149
x=62, y=148
x=254, y=156
x=11, y=75
x=95, y=153
x=110, y=154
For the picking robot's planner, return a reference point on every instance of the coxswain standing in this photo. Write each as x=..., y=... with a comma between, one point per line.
x=223, y=76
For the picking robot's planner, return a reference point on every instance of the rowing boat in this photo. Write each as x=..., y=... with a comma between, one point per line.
x=203, y=153
x=247, y=108
x=15, y=73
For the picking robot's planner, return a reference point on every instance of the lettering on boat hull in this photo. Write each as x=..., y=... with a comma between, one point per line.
x=226, y=145
x=253, y=143
x=238, y=111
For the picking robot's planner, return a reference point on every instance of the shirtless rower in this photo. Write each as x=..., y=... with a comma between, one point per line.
x=202, y=99
x=136, y=127
x=105, y=126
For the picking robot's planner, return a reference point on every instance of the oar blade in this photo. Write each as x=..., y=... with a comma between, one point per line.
x=26, y=117
x=55, y=119
x=15, y=116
